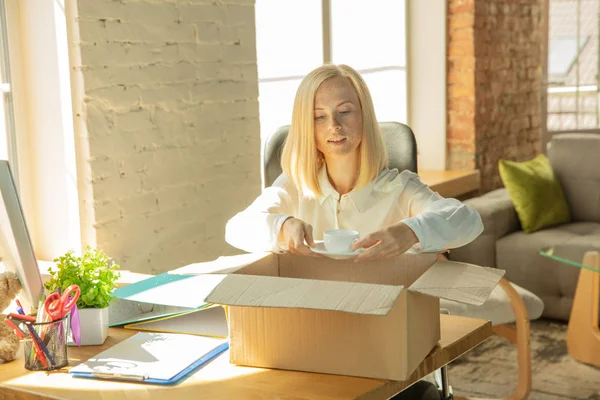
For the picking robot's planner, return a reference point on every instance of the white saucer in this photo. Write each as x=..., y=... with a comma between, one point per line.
x=320, y=249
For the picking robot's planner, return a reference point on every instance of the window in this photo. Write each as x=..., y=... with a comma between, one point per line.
x=294, y=37
x=563, y=54
x=371, y=39
x=573, y=91
x=288, y=45
x=36, y=33
x=6, y=125
x=7, y=128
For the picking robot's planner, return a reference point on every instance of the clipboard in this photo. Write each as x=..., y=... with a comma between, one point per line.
x=210, y=321
x=154, y=358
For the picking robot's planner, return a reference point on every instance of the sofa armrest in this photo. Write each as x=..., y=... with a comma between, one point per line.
x=499, y=219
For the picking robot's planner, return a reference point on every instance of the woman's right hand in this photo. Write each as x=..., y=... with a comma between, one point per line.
x=293, y=234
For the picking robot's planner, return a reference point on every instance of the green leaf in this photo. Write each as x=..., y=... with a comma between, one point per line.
x=94, y=273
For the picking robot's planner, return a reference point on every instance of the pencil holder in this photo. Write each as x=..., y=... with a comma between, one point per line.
x=45, y=345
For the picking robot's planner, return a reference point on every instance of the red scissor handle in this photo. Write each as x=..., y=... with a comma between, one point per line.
x=70, y=297
x=53, y=305
x=58, y=306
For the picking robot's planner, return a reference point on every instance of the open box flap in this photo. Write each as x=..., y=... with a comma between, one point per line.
x=267, y=291
x=462, y=282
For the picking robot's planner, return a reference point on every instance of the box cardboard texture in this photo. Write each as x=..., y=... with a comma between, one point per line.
x=375, y=319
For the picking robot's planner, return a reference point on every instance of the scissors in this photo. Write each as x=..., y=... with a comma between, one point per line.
x=57, y=306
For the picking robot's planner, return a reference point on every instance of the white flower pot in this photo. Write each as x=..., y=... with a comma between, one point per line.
x=94, y=325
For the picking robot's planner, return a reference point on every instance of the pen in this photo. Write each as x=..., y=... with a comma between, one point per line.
x=15, y=328
x=19, y=307
x=40, y=347
x=36, y=346
x=22, y=317
x=37, y=341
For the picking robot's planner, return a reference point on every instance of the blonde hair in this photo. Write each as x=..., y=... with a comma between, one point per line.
x=301, y=160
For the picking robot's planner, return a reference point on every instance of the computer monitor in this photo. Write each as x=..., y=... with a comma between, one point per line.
x=16, y=249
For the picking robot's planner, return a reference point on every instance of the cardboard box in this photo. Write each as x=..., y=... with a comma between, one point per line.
x=374, y=319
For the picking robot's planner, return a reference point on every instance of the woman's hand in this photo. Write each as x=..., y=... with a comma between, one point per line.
x=293, y=233
x=389, y=242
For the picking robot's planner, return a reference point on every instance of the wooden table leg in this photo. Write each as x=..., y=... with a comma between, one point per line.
x=583, y=336
x=519, y=336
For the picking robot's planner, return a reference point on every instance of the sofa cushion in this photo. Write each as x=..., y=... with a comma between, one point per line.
x=535, y=192
x=554, y=282
x=574, y=158
x=499, y=219
x=497, y=308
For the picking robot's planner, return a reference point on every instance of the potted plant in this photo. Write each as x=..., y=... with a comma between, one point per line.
x=96, y=275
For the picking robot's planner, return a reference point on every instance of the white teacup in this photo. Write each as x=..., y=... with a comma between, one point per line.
x=339, y=241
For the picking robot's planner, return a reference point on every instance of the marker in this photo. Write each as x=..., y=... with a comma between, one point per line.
x=15, y=328
x=21, y=317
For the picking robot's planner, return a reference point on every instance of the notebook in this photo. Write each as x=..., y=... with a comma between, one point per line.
x=157, y=358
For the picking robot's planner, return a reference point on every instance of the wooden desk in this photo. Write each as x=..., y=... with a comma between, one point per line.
x=451, y=183
x=222, y=380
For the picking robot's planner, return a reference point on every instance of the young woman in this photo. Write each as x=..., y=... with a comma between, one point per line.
x=336, y=177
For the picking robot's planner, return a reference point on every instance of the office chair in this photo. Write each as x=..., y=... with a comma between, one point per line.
x=402, y=151
x=399, y=141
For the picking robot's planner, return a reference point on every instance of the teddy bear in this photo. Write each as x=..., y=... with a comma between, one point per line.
x=9, y=342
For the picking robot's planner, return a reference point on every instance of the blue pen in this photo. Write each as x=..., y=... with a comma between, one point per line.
x=19, y=307
x=35, y=336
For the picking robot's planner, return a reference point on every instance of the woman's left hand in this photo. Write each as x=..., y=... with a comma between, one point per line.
x=389, y=242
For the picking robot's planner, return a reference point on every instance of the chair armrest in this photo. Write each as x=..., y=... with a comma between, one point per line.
x=499, y=219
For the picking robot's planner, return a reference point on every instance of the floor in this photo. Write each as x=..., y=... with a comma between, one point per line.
x=490, y=369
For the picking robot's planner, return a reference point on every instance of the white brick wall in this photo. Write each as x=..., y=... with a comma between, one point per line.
x=171, y=114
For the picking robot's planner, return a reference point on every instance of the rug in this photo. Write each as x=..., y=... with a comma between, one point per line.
x=490, y=370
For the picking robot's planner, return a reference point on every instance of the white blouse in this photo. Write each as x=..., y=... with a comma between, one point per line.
x=438, y=223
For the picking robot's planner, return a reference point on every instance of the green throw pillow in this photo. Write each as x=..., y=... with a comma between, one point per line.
x=535, y=192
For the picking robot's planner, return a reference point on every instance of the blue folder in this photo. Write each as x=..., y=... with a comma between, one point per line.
x=163, y=304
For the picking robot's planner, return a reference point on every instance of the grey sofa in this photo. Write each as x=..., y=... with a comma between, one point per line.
x=575, y=159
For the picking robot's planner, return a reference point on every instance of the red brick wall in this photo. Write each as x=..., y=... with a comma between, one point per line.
x=460, y=135
x=494, y=84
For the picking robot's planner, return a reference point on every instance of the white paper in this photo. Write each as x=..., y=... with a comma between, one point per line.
x=188, y=293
